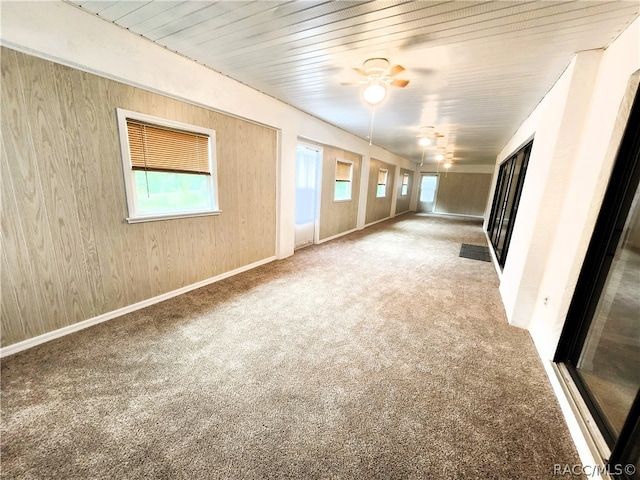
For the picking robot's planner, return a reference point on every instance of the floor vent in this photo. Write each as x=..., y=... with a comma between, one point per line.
x=475, y=252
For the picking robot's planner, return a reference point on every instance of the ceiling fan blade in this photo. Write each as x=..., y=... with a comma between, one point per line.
x=399, y=83
x=360, y=71
x=396, y=69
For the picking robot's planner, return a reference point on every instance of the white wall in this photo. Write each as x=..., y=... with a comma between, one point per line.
x=571, y=160
x=61, y=32
x=596, y=154
x=557, y=131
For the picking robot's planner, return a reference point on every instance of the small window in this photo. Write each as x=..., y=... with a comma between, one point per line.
x=169, y=168
x=405, y=185
x=344, y=178
x=383, y=174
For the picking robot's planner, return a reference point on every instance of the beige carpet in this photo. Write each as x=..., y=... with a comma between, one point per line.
x=380, y=355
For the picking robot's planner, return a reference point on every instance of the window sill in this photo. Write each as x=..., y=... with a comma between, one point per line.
x=342, y=200
x=171, y=216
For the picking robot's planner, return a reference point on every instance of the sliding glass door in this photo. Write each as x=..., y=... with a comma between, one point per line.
x=600, y=343
x=609, y=361
x=505, y=201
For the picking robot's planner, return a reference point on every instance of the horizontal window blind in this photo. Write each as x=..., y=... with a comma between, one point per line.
x=343, y=171
x=164, y=149
x=382, y=177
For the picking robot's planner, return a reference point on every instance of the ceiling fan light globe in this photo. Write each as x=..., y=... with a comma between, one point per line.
x=374, y=93
x=424, y=141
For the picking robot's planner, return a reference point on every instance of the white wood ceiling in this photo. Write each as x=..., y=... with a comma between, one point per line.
x=476, y=69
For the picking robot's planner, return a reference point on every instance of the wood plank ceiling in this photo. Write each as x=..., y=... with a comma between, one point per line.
x=476, y=68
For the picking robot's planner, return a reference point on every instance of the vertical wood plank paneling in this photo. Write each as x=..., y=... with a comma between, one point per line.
x=268, y=205
x=17, y=277
x=379, y=208
x=463, y=193
x=338, y=217
x=43, y=105
x=86, y=246
x=10, y=308
x=155, y=234
x=402, y=202
x=208, y=247
x=136, y=260
x=65, y=239
x=130, y=257
x=228, y=233
x=257, y=201
x=191, y=240
x=28, y=214
x=111, y=174
x=94, y=120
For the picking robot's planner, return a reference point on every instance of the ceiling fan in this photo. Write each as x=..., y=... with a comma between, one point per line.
x=428, y=136
x=379, y=74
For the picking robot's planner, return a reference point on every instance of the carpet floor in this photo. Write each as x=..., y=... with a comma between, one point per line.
x=379, y=355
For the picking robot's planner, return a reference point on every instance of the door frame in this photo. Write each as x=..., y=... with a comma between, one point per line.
x=318, y=187
x=435, y=193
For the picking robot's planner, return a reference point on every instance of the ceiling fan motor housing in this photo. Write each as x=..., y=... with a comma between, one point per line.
x=376, y=66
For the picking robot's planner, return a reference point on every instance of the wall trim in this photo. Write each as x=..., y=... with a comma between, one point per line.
x=333, y=237
x=45, y=337
x=378, y=221
x=458, y=215
x=577, y=418
x=492, y=252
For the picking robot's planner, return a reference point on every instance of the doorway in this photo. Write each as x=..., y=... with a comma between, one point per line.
x=308, y=165
x=428, y=192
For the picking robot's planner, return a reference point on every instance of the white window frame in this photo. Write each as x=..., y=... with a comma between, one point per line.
x=402, y=184
x=350, y=162
x=386, y=182
x=129, y=181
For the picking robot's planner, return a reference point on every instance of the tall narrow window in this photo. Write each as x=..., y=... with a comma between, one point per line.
x=344, y=180
x=405, y=184
x=383, y=175
x=505, y=201
x=169, y=167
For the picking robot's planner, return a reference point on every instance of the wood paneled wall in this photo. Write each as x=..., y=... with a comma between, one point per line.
x=338, y=217
x=68, y=254
x=463, y=193
x=379, y=208
x=402, y=202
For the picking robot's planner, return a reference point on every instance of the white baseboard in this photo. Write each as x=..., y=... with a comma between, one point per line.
x=45, y=337
x=458, y=215
x=377, y=221
x=333, y=237
x=584, y=441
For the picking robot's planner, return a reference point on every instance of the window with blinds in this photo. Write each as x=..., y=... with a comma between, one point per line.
x=167, y=150
x=405, y=185
x=344, y=179
x=383, y=175
x=169, y=167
